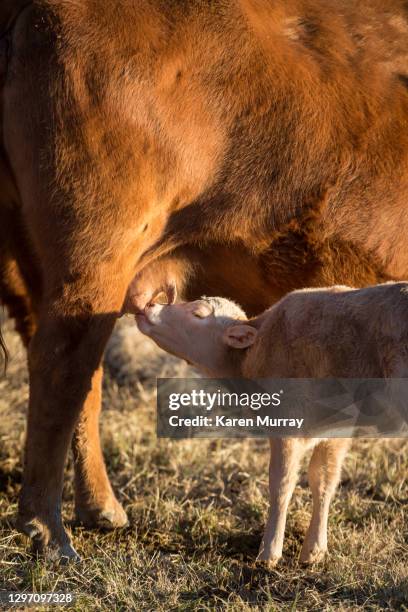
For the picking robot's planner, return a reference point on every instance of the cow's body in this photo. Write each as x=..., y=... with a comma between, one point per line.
x=267, y=140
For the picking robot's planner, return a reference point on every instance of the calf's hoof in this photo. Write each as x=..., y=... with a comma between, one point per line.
x=310, y=555
x=110, y=516
x=49, y=540
x=268, y=561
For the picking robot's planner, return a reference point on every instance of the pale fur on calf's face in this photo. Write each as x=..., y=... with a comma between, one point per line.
x=204, y=333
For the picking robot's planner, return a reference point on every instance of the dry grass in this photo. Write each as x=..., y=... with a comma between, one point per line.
x=197, y=509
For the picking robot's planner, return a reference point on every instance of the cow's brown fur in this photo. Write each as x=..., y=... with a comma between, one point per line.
x=299, y=253
x=134, y=129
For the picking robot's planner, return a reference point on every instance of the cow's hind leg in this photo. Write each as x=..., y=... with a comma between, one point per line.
x=95, y=503
x=20, y=291
x=64, y=357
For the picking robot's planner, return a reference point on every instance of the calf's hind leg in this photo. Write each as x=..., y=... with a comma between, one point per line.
x=324, y=475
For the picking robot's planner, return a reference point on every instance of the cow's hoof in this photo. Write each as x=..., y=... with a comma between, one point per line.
x=309, y=556
x=110, y=517
x=58, y=554
x=57, y=547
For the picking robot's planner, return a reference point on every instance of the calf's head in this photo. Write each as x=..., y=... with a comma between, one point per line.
x=210, y=333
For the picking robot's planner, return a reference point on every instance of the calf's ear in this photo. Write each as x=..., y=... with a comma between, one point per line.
x=240, y=336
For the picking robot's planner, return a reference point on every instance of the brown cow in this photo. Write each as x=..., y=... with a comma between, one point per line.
x=312, y=333
x=267, y=140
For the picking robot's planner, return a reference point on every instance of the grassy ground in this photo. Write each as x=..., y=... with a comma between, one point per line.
x=197, y=510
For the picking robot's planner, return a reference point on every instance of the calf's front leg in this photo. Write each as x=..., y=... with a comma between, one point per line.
x=324, y=475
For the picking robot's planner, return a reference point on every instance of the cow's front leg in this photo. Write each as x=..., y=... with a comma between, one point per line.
x=95, y=502
x=283, y=470
x=64, y=355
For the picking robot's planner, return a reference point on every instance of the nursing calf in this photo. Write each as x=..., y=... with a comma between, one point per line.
x=312, y=333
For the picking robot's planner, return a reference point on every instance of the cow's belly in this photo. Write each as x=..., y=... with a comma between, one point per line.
x=257, y=280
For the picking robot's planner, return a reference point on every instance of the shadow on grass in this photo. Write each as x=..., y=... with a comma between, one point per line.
x=290, y=583
x=393, y=597
x=9, y=479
